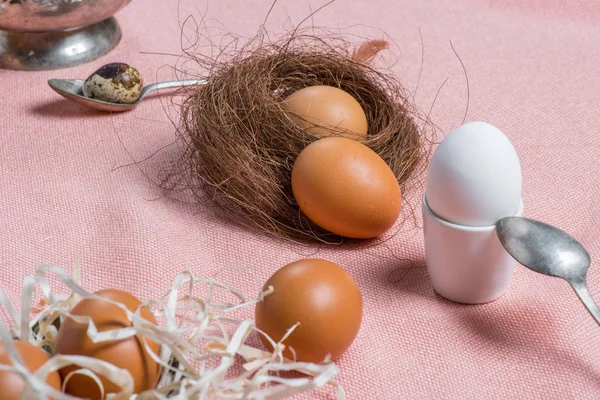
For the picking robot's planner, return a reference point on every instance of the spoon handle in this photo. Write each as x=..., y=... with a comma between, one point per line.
x=171, y=84
x=586, y=298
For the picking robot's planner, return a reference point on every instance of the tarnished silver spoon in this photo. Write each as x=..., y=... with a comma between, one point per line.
x=72, y=89
x=549, y=251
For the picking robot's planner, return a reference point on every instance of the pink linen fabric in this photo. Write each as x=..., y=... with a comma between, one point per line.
x=69, y=189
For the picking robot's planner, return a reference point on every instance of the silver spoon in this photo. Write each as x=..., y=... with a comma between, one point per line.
x=549, y=251
x=72, y=89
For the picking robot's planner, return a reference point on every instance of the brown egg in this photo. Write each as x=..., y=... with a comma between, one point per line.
x=323, y=109
x=11, y=384
x=128, y=354
x=346, y=188
x=320, y=295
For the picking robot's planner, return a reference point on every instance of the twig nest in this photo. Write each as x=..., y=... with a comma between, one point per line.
x=244, y=136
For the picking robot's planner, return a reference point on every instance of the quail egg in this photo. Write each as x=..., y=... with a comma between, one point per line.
x=114, y=83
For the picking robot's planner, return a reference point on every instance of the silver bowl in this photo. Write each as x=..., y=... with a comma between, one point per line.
x=52, y=34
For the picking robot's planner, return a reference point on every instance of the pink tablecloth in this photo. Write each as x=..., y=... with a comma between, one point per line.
x=533, y=72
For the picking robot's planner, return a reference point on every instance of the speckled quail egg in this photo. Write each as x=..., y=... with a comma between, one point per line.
x=114, y=83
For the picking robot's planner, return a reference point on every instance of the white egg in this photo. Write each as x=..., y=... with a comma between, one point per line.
x=114, y=83
x=474, y=177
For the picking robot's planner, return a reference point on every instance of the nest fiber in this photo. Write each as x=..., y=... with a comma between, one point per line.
x=242, y=143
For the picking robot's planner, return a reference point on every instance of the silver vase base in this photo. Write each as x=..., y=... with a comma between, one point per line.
x=39, y=51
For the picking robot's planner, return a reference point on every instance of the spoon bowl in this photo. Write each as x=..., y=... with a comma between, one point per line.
x=550, y=251
x=543, y=248
x=72, y=89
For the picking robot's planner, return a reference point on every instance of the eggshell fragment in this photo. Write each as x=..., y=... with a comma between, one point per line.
x=323, y=298
x=11, y=384
x=324, y=110
x=114, y=83
x=128, y=353
x=474, y=177
x=346, y=188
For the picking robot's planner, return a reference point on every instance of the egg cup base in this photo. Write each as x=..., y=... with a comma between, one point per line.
x=466, y=264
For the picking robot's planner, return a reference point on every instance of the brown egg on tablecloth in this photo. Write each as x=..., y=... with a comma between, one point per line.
x=323, y=298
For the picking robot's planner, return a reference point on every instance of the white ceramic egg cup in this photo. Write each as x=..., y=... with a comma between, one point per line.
x=466, y=264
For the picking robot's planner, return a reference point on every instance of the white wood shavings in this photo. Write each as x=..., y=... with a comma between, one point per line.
x=196, y=332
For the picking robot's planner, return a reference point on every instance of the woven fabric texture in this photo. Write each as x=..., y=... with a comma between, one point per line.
x=70, y=187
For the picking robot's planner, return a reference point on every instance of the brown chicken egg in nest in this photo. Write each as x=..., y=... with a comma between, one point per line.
x=12, y=385
x=129, y=353
x=326, y=110
x=346, y=188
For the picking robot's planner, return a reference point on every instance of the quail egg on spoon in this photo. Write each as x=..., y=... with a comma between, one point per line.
x=114, y=83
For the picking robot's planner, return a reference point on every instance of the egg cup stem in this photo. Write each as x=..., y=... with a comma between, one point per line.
x=36, y=51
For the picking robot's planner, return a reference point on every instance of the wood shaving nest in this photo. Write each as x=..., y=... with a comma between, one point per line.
x=197, y=335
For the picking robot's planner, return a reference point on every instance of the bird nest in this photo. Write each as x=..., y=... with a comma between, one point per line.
x=242, y=142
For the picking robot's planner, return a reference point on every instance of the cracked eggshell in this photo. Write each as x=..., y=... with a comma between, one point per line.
x=129, y=353
x=474, y=177
x=114, y=83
